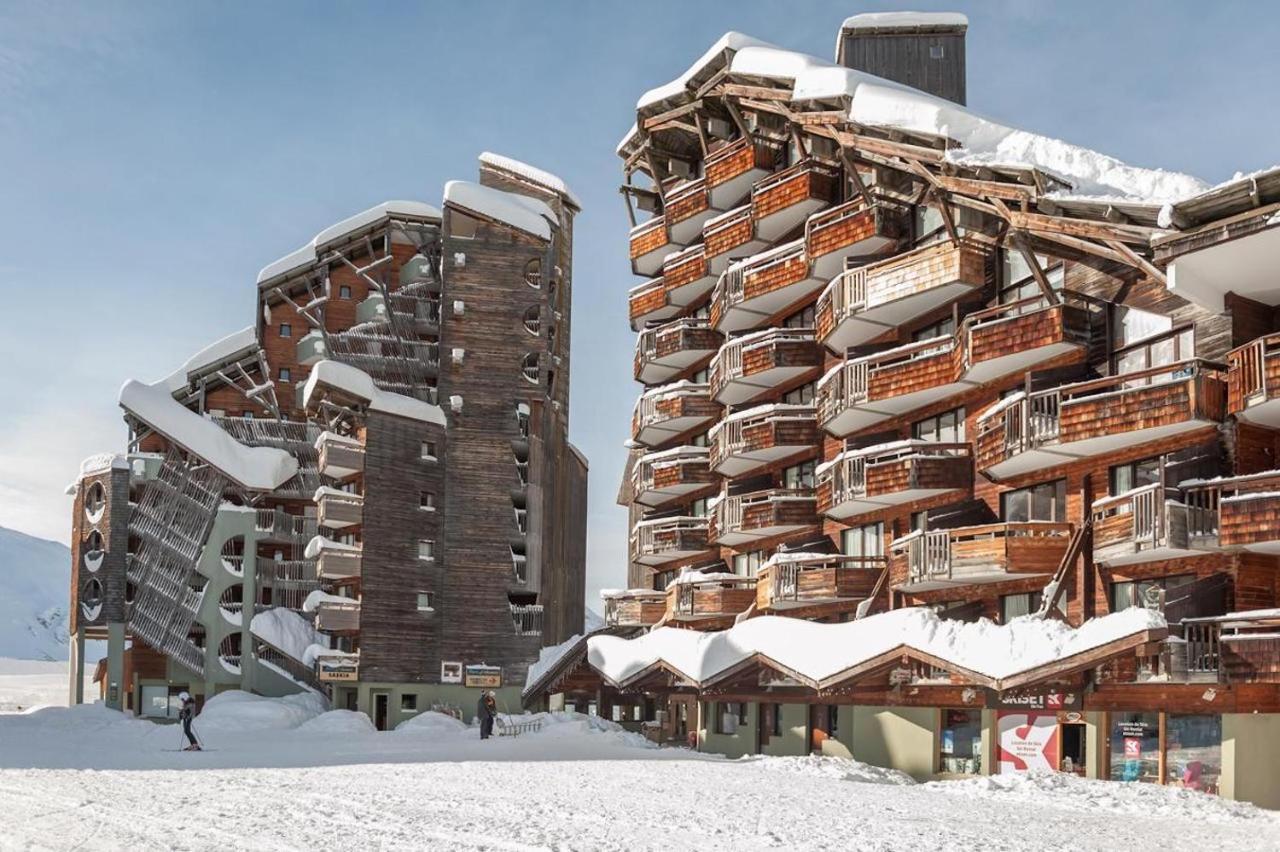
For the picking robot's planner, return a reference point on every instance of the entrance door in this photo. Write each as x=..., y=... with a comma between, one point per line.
x=380, y=702
x=1073, y=747
x=821, y=725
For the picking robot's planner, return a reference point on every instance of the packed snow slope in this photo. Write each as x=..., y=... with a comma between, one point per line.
x=29, y=684
x=285, y=774
x=34, y=577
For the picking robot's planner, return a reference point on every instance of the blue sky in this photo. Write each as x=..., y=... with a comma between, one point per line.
x=154, y=156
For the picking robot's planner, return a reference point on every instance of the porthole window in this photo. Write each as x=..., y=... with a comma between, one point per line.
x=533, y=320
x=91, y=596
x=93, y=551
x=529, y=368
x=533, y=273
x=95, y=501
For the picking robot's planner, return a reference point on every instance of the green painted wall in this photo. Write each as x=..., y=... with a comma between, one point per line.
x=904, y=738
x=1250, y=757
x=730, y=745
x=454, y=695
x=795, y=732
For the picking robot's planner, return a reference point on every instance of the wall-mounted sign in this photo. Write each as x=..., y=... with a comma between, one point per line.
x=450, y=672
x=1028, y=741
x=1035, y=700
x=484, y=677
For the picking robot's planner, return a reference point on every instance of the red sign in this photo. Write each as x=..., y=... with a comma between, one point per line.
x=1028, y=741
x=1132, y=747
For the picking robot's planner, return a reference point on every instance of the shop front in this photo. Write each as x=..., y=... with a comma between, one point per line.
x=1182, y=750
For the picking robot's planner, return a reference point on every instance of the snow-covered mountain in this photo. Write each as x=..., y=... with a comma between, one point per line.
x=35, y=576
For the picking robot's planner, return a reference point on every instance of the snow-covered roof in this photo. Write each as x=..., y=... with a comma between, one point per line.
x=287, y=631
x=308, y=254
x=255, y=468
x=728, y=41
x=823, y=652
x=102, y=462
x=531, y=173
x=359, y=384
x=896, y=20
x=319, y=544
x=230, y=348
x=519, y=211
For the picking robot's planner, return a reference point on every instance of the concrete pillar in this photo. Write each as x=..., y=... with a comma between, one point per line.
x=75, y=668
x=115, y=665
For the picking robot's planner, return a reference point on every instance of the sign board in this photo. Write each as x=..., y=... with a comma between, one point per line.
x=1028, y=742
x=450, y=672
x=345, y=674
x=1051, y=702
x=484, y=677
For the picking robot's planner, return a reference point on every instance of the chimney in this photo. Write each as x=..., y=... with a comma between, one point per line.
x=924, y=50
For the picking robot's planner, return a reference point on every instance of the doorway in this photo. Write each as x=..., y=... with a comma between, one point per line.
x=1074, y=751
x=381, y=701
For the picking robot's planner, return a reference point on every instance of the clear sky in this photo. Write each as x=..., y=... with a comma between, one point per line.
x=154, y=156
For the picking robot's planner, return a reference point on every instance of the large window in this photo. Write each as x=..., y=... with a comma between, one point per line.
x=748, y=564
x=730, y=715
x=1130, y=593
x=1193, y=752
x=945, y=428
x=802, y=395
x=866, y=540
x=1044, y=502
x=1019, y=281
x=1136, y=474
x=798, y=476
x=1168, y=348
x=803, y=318
x=1135, y=747
x=941, y=328
x=960, y=743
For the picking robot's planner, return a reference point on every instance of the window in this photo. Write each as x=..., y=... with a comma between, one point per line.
x=1013, y=606
x=748, y=564
x=776, y=727
x=529, y=368
x=344, y=292
x=462, y=226
x=427, y=549
x=1044, y=502
x=1134, y=324
x=247, y=415
x=1135, y=747
x=1020, y=282
x=1136, y=474
x=1127, y=594
x=937, y=51
x=427, y=501
x=533, y=273
x=1170, y=347
x=409, y=703
x=941, y=328
x=804, y=318
x=424, y=602
x=802, y=395
x=730, y=715
x=866, y=540
x=428, y=450
x=662, y=579
x=702, y=439
x=532, y=320
x=945, y=428
x=284, y=374
x=1193, y=752
x=286, y=330
x=798, y=476
x=960, y=745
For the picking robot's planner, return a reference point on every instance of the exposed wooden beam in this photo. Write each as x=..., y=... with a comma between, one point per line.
x=983, y=188
x=763, y=93
x=678, y=112
x=1028, y=256
x=1139, y=261
x=1081, y=228
x=851, y=171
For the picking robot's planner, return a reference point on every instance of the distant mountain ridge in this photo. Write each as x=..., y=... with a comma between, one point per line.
x=35, y=578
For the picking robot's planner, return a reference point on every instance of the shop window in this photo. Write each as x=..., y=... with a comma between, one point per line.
x=960, y=743
x=945, y=428
x=1149, y=593
x=1135, y=747
x=866, y=540
x=1193, y=752
x=1044, y=502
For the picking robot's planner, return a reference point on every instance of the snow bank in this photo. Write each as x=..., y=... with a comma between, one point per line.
x=439, y=725
x=558, y=725
x=255, y=468
x=235, y=711
x=840, y=768
x=531, y=173
x=519, y=211
x=359, y=384
x=286, y=630
x=338, y=723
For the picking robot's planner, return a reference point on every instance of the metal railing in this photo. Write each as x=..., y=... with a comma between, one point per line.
x=526, y=619
x=647, y=411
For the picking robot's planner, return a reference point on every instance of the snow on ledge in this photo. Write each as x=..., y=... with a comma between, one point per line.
x=255, y=468
x=234, y=345
x=896, y=20
x=287, y=631
x=359, y=384
x=531, y=173
x=519, y=211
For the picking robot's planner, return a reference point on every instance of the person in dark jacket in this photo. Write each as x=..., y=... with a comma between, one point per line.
x=186, y=715
x=486, y=712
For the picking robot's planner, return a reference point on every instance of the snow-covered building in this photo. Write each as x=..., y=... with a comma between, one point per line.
x=902, y=357
x=370, y=491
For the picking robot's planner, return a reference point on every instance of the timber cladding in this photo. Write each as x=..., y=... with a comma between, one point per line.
x=682, y=338
x=779, y=353
x=739, y=157
x=112, y=526
x=1059, y=324
x=925, y=269
x=650, y=298
x=1197, y=398
x=687, y=201
x=726, y=235
x=803, y=182
x=923, y=472
x=649, y=238
x=775, y=276
x=1249, y=520
x=684, y=269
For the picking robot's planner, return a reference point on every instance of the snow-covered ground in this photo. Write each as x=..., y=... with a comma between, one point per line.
x=27, y=684
x=285, y=775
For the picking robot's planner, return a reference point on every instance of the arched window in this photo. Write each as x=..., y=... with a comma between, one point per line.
x=95, y=500
x=533, y=320
x=533, y=273
x=529, y=368
x=92, y=552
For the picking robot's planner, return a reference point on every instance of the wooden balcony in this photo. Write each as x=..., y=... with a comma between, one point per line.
x=336, y=562
x=1087, y=419
x=782, y=200
x=707, y=600
x=668, y=475
x=990, y=553
x=332, y=616
x=634, y=607
x=667, y=412
x=753, y=291
x=751, y=439
x=650, y=242
x=867, y=480
x=667, y=350
x=665, y=540
x=340, y=456
x=853, y=231
x=731, y=237
x=685, y=207
x=686, y=276
x=759, y=363
x=732, y=168
x=821, y=581
x=1248, y=510
x=861, y=304
x=336, y=509
x=649, y=303
x=1150, y=524
x=1253, y=381
x=744, y=518
x=990, y=344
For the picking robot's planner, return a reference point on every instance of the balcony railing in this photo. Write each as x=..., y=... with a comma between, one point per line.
x=1253, y=381
x=852, y=230
x=867, y=480
x=663, y=540
x=526, y=619
x=1149, y=524
x=864, y=303
x=730, y=237
x=742, y=518
x=761, y=362
x=337, y=617
x=686, y=276
x=650, y=242
x=937, y=559
x=1047, y=428
x=709, y=597
x=686, y=206
x=1239, y=512
x=634, y=607
x=335, y=561
x=338, y=509
x=1000, y=341
x=668, y=475
x=340, y=456
x=747, y=440
x=732, y=168
x=667, y=412
x=752, y=291
x=649, y=302
x=784, y=199
x=667, y=350
x=816, y=580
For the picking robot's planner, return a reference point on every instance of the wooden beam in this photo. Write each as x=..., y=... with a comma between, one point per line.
x=947, y=221
x=851, y=171
x=736, y=115
x=1139, y=261
x=820, y=117
x=984, y=188
x=1081, y=228
x=888, y=148
x=763, y=93
x=1085, y=247
x=1030, y=258
x=664, y=117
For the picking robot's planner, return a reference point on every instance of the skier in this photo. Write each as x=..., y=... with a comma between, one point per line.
x=185, y=715
x=486, y=712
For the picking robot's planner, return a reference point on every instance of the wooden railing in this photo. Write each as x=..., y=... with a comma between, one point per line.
x=950, y=554
x=526, y=619
x=801, y=169
x=1203, y=646
x=730, y=436
x=848, y=472
x=732, y=511
x=728, y=362
x=785, y=576
x=649, y=407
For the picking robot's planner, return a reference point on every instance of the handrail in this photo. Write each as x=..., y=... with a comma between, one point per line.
x=644, y=227
x=648, y=338
x=683, y=255
x=684, y=189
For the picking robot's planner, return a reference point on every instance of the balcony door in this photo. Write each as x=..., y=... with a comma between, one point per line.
x=1044, y=502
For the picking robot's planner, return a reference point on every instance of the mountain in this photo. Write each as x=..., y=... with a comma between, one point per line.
x=35, y=578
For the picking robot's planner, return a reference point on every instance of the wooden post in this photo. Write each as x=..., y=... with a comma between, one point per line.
x=1161, y=762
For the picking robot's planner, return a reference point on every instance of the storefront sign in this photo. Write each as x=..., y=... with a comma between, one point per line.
x=1046, y=701
x=1028, y=741
x=484, y=677
x=450, y=672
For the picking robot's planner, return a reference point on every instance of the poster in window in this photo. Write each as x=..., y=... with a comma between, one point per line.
x=1028, y=742
x=450, y=672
